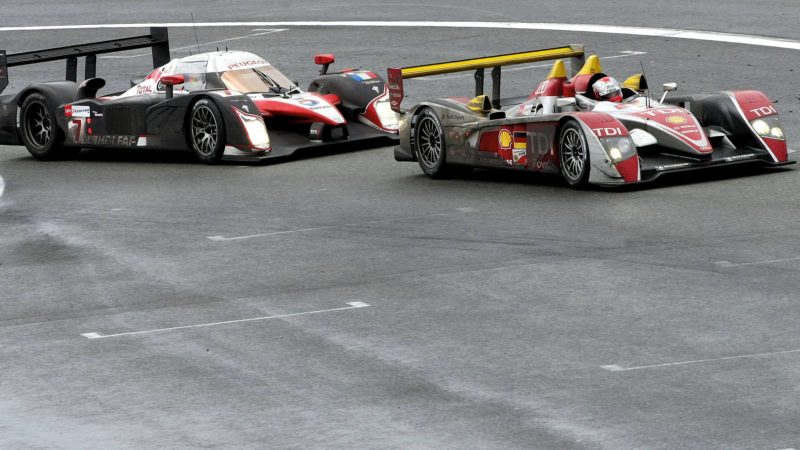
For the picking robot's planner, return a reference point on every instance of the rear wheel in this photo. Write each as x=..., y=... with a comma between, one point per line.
x=573, y=155
x=40, y=133
x=207, y=131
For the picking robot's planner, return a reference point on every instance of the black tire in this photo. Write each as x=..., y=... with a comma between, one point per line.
x=206, y=131
x=573, y=155
x=430, y=146
x=40, y=133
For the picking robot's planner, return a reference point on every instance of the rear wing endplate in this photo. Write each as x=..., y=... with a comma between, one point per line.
x=158, y=40
x=396, y=75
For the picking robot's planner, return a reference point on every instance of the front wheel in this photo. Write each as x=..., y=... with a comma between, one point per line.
x=573, y=155
x=40, y=133
x=206, y=131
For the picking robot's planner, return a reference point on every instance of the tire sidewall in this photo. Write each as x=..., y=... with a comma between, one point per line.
x=52, y=149
x=583, y=179
x=438, y=168
x=216, y=155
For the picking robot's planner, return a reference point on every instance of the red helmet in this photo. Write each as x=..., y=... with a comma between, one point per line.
x=607, y=89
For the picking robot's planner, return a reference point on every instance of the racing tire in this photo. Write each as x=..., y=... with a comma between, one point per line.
x=430, y=146
x=39, y=131
x=573, y=155
x=206, y=131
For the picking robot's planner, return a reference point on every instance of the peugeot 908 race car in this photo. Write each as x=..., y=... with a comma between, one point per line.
x=566, y=127
x=223, y=103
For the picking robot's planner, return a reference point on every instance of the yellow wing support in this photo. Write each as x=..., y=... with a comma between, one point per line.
x=592, y=66
x=559, y=70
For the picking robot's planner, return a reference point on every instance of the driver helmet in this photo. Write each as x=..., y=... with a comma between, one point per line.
x=607, y=89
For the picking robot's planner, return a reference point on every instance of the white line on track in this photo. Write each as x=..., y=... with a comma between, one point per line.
x=464, y=210
x=538, y=66
x=675, y=33
x=2, y=186
x=351, y=305
x=770, y=261
x=202, y=44
x=616, y=368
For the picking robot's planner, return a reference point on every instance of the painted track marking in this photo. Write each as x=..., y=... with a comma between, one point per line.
x=351, y=305
x=463, y=210
x=202, y=44
x=2, y=186
x=770, y=261
x=616, y=368
x=675, y=33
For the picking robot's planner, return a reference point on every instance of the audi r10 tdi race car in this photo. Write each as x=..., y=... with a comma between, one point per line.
x=587, y=127
x=218, y=104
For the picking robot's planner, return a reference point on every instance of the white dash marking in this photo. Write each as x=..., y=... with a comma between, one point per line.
x=351, y=305
x=299, y=230
x=2, y=186
x=616, y=368
x=770, y=261
x=219, y=238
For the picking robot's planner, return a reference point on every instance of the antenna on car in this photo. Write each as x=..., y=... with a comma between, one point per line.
x=195, y=33
x=646, y=91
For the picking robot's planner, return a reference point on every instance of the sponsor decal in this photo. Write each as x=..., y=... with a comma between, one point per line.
x=659, y=112
x=672, y=166
x=740, y=157
x=97, y=114
x=607, y=132
x=112, y=140
x=81, y=111
x=677, y=120
x=247, y=63
x=146, y=88
x=68, y=111
x=505, y=139
x=764, y=111
x=519, y=155
x=308, y=102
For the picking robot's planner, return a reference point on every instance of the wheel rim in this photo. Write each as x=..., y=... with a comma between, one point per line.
x=38, y=125
x=204, y=130
x=573, y=154
x=429, y=141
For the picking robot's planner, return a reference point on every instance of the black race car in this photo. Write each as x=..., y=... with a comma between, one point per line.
x=219, y=104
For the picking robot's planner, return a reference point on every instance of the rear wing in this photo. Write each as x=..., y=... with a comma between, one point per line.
x=397, y=75
x=158, y=40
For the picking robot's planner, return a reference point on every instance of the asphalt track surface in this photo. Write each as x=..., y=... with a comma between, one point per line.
x=390, y=310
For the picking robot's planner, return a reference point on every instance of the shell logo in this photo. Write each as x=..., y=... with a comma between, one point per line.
x=505, y=139
x=677, y=120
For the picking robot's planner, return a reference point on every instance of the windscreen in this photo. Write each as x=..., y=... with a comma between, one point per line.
x=259, y=79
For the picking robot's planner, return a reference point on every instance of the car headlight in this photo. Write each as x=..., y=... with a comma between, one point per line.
x=619, y=148
x=642, y=138
x=255, y=128
x=768, y=127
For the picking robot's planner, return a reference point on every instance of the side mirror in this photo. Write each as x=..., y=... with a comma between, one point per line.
x=171, y=80
x=668, y=87
x=324, y=60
